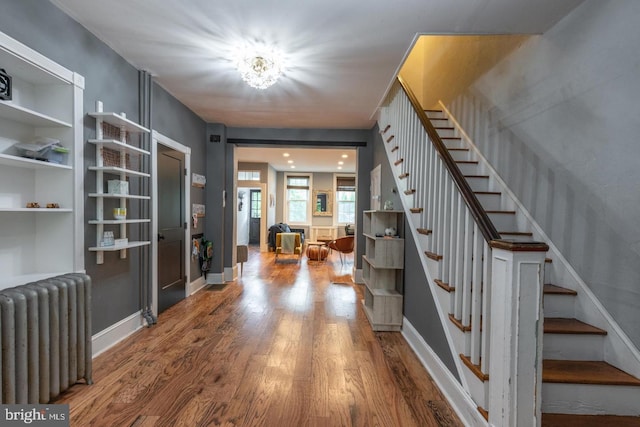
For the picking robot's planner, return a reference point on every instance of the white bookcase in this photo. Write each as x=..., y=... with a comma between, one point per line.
x=36, y=243
x=113, y=155
x=382, y=269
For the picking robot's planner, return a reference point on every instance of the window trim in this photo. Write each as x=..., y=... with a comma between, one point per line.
x=336, y=203
x=285, y=208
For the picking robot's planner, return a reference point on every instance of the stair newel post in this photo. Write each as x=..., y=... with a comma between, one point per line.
x=515, y=371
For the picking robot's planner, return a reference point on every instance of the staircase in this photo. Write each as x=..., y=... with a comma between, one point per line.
x=590, y=369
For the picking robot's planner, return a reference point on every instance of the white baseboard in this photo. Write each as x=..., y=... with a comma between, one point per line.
x=215, y=278
x=196, y=285
x=230, y=273
x=115, y=333
x=452, y=390
x=357, y=276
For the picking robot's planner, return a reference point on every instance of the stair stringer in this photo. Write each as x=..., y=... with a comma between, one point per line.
x=469, y=382
x=619, y=350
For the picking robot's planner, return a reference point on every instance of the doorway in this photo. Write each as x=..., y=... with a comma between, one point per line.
x=170, y=251
x=255, y=215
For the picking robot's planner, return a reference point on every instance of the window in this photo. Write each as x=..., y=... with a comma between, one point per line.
x=346, y=199
x=248, y=175
x=297, y=199
x=256, y=204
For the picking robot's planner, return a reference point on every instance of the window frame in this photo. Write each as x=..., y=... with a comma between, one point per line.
x=285, y=215
x=336, y=205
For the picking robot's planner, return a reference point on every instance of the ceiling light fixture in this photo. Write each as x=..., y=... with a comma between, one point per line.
x=341, y=162
x=344, y=156
x=259, y=67
x=285, y=154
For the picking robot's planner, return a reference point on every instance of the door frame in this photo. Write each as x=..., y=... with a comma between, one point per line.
x=158, y=138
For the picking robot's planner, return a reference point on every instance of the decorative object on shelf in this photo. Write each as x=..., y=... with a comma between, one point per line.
x=114, y=158
x=259, y=66
x=44, y=149
x=120, y=213
x=388, y=205
x=5, y=85
x=33, y=205
x=116, y=186
x=107, y=239
x=198, y=180
x=323, y=203
x=198, y=210
x=390, y=231
x=241, y=197
x=53, y=206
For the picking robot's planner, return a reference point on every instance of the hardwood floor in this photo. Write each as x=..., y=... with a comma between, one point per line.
x=285, y=345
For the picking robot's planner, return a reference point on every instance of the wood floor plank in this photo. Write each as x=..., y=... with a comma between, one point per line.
x=285, y=344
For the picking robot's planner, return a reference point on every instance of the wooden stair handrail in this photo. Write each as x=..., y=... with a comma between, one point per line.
x=478, y=213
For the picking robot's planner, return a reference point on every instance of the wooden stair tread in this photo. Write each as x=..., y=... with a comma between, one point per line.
x=585, y=372
x=424, y=231
x=487, y=192
x=467, y=162
x=433, y=256
x=559, y=325
x=571, y=420
x=501, y=212
x=516, y=233
x=477, y=176
x=404, y=175
x=445, y=286
x=557, y=290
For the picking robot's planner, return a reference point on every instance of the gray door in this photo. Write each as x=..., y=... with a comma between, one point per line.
x=171, y=200
x=255, y=212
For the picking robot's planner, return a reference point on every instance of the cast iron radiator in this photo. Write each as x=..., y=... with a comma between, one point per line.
x=45, y=331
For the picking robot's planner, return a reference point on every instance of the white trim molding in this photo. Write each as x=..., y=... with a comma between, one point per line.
x=451, y=388
x=107, y=338
x=196, y=285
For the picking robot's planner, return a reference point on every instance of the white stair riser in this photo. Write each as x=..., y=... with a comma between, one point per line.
x=590, y=399
x=469, y=168
x=445, y=300
x=504, y=222
x=461, y=155
x=573, y=347
x=490, y=201
x=445, y=132
x=479, y=390
x=454, y=143
x=436, y=115
x=478, y=184
x=559, y=306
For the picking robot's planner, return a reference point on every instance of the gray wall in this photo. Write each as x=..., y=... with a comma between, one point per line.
x=176, y=121
x=112, y=80
x=559, y=118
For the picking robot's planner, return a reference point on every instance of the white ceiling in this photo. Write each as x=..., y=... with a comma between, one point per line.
x=304, y=159
x=341, y=55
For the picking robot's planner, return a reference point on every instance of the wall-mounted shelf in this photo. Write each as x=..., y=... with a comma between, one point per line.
x=112, y=137
x=119, y=196
x=118, y=247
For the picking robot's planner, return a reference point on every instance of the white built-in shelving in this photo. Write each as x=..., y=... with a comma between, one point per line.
x=382, y=269
x=116, y=141
x=46, y=102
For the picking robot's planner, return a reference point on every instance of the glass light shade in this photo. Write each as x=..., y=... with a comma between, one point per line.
x=260, y=70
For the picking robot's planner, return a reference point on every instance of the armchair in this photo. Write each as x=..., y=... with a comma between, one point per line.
x=344, y=245
x=288, y=243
